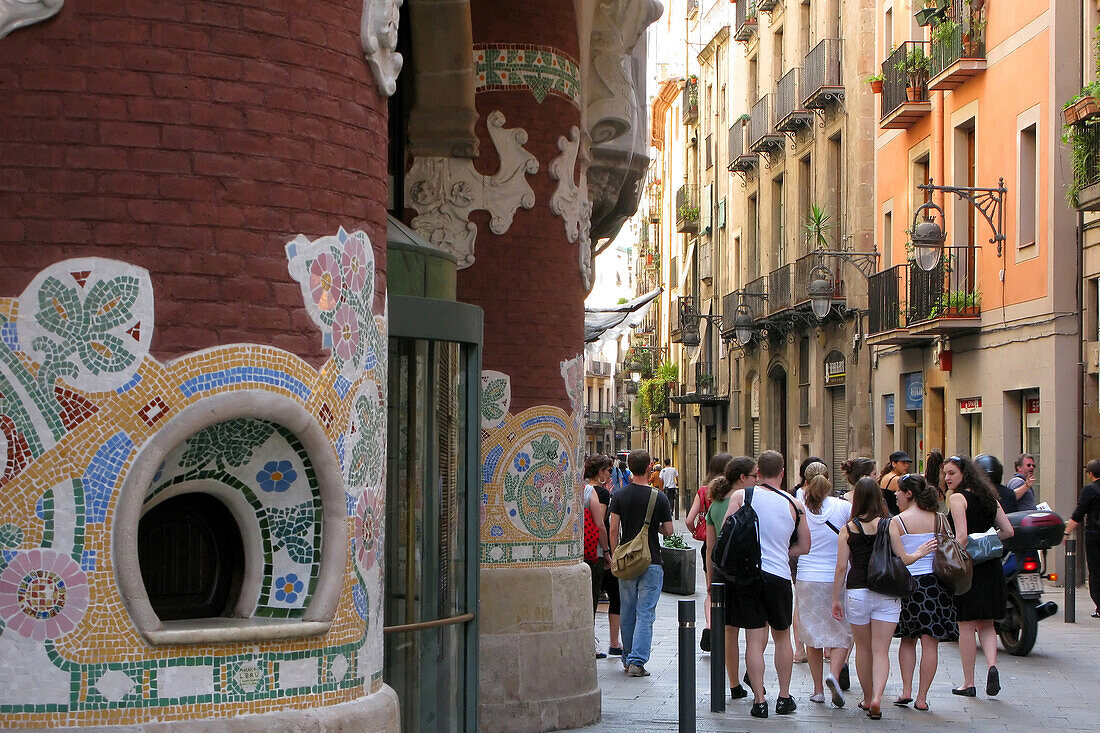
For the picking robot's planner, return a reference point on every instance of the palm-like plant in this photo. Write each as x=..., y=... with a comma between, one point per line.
x=817, y=225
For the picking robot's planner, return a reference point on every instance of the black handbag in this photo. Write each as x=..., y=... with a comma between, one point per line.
x=886, y=573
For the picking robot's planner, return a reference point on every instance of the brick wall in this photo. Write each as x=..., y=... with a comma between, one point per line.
x=195, y=140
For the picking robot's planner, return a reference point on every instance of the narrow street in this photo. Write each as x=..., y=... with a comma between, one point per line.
x=1052, y=688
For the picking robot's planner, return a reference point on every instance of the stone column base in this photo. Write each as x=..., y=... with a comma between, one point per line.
x=536, y=660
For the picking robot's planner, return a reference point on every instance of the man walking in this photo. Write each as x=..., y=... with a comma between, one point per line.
x=770, y=601
x=638, y=596
x=1088, y=512
x=671, y=478
x=1022, y=482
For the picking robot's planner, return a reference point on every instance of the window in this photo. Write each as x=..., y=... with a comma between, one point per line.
x=804, y=380
x=887, y=33
x=753, y=90
x=754, y=243
x=887, y=239
x=735, y=396
x=777, y=54
x=836, y=165
x=805, y=194
x=1029, y=184
x=778, y=210
x=920, y=176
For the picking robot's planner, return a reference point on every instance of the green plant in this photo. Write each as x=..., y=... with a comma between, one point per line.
x=955, y=301
x=817, y=224
x=1084, y=145
x=668, y=372
x=945, y=33
x=874, y=78
x=915, y=66
x=651, y=395
x=675, y=542
x=704, y=381
x=688, y=212
x=743, y=119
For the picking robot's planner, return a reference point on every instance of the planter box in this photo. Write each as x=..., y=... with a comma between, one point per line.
x=1070, y=114
x=1086, y=108
x=876, y=87
x=679, y=570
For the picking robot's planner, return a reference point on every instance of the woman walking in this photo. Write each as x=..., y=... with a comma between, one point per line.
x=929, y=613
x=597, y=469
x=740, y=473
x=873, y=616
x=856, y=468
x=974, y=509
x=817, y=627
x=697, y=523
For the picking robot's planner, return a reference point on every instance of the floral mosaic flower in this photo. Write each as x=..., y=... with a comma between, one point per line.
x=353, y=264
x=288, y=587
x=522, y=462
x=496, y=531
x=366, y=530
x=276, y=476
x=325, y=282
x=43, y=594
x=345, y=332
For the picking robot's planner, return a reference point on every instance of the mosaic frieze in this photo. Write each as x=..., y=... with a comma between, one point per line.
x=80, y=398
x=540, y=69
x=496, y=397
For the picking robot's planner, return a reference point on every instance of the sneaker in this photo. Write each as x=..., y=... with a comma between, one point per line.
x=738, y=693
x=817, y=697
x=845, y=678
x=834, y=689
x=785, y=705
x=637, y=670
x=759, y=709
x=704, y=641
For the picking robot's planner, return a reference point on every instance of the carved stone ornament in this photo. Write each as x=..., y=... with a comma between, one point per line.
x=570, y=200
x=445, y=190
x=18, y=13
x=617, y=26
x=378, y=34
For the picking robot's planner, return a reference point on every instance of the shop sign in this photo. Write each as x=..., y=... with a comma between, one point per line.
x=835, y=367
x=914, y=391
x=1033, y=406
x=889, y=409
x=970, y=406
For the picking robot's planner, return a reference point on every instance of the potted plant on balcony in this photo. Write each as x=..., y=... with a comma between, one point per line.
x=875, y=80
x=817, y=225
x=956, y=303
x=687, y=212
x=915, y=66
x=932, y=13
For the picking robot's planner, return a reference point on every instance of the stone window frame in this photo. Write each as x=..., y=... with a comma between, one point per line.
x=253, y=404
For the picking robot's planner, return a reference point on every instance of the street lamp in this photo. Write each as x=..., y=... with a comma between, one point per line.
x=742, y=325
x=821, y=290
x=928, y=236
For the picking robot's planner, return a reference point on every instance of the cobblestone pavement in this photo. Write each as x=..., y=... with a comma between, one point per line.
x=1054, y=687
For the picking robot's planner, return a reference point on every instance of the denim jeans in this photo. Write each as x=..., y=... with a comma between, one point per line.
x=638, y=598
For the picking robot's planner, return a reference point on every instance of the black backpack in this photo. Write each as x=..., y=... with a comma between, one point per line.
x=736, y=553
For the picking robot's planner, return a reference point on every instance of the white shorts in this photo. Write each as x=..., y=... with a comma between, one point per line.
x=862, y=605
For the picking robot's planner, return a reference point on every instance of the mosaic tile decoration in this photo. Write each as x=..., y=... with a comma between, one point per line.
x=542, y=70
x=496, y=398
x=79, y=397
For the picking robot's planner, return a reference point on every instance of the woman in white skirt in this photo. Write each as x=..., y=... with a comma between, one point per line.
x=818, y=629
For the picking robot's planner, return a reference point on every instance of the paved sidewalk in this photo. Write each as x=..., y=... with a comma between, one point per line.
x=1055, y=687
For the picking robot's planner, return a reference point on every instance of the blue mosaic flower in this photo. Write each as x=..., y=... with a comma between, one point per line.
x=496, y=531
x=276, y=476
x=288, y=587
x=522, y=462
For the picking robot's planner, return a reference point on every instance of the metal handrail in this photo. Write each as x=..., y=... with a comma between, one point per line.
x=821, y=72
x=896, y=80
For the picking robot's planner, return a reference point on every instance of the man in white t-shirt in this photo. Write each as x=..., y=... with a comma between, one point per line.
x=671, y=477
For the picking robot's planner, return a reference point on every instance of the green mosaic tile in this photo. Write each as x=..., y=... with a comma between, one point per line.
x=540, y=69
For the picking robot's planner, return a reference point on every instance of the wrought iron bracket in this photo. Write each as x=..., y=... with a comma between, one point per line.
x=988, y=201
x=865, y=262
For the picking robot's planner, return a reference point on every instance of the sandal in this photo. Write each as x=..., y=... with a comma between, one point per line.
x=916, y=706
x=863, y=707
x=874, y=713
x=903, y=701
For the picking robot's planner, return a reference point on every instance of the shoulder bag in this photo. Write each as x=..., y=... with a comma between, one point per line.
x=631, y=559
x=950, y=563
x=886, y=573
x=700, y=531
x=983, y=546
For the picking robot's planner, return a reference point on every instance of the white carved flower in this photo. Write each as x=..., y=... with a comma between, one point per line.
x=461, y=194
x=424, y=193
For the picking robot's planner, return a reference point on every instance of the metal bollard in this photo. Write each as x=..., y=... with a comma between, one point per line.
x=687, y=666
x=717, y=648
x=1070, y=585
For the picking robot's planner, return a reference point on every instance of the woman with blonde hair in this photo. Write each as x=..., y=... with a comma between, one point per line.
x=697, y=523
x=817, y=628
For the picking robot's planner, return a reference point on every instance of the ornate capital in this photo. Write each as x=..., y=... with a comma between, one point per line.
x=378, y=34
x=18, y=13
x=617, y=25
x=570, y=199
x=445, y=190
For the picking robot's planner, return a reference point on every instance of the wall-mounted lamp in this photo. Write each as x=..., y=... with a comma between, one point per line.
x=928, y=236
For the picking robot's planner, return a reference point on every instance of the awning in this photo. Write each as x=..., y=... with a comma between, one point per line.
x=607, y=324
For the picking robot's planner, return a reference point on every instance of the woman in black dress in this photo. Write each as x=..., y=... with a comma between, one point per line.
x=973, y=509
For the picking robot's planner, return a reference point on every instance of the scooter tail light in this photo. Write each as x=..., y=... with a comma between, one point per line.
x=1030, y=566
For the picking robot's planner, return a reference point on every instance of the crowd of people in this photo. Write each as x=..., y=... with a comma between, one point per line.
x=812, y=596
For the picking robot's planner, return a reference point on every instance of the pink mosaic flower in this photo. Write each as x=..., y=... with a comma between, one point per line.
x=325, y=282
x=353, y=265
x=345, y=332
x=43, y=594
x=367, y=516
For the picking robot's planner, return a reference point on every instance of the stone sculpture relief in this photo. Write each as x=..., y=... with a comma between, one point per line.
x=378, y=34
x=570, y=199
x=617, y=27
x=444, y=191
x=18, y=13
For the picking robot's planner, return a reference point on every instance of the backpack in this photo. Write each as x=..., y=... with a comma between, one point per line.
x=736, y=551
x=631, y=559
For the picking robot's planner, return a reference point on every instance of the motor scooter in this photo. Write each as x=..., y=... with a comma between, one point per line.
x=1023, y=569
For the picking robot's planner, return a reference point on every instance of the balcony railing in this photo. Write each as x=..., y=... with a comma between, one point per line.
x=884, y=291
x=821, y=80
x=789, y=112
x=654, y=203
x=730, y=301
x=740, y=161
x=683, y=325
x=958, y=47
x=704, y=378
x=804, y=274
x=690, y=101
x=948, y=291
x=599, y=369
x=598, y=417
x=905, y=85
x=762, y=135
x=745, y=20
x=766, y=6
x=779, y=289
x=687, y=208
x=758, y=287
x=1085, y=140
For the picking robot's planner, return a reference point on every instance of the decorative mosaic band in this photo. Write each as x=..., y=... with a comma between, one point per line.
x=543, y=70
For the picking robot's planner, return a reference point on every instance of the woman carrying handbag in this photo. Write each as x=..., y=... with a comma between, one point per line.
x=974, y=508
